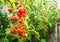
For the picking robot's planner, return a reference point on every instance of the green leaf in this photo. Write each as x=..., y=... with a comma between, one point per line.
x=11, y=0
x=9, y=5
x=28, y=36
x=0, y=2
x=50, y=25
x=43, y=40
x=22, y=40
x=37, y=36
x=44, y=34
x=7, y=30
x=4, y=40
x=40, y=27
x=14, y=6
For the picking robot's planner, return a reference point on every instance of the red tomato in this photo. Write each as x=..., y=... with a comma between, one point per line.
x=10, y=10
x=20, y=15
x=24, y=26
x=20, y=31
x=23, y=35
x=17, y=26
x=13, y=19
x=21, y=10
x=23, y=15
x=20, y=21
x=13, y=31
x=24, y=31
x=25, y=12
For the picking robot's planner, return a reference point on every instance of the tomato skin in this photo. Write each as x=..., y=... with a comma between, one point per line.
x=20, y=21
x=22, y=35
x=10, y=10
x=20, y=31
x=13, y=31
x=20, y=15
x=17, y=26
x=21, y=10
x=24, y=31
x=24, y=26
x=14, y=19
x=23, y=14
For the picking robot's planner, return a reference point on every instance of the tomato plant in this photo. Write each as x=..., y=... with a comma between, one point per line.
x=28, y=20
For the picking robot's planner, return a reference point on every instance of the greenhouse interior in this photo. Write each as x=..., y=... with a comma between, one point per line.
x=29, y=20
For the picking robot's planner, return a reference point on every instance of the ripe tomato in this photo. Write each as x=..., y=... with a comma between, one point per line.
x=22, y=35
x=21, y=10
x=24, y=26
x=24, y=15
x=13, y=19
x=20, y=15
x=10, y=10
x=17, y=26
x=24, y=31
x=13, y=31
x=20, y=21
x=20, y=31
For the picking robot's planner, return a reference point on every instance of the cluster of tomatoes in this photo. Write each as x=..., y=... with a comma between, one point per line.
x=19, y=28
